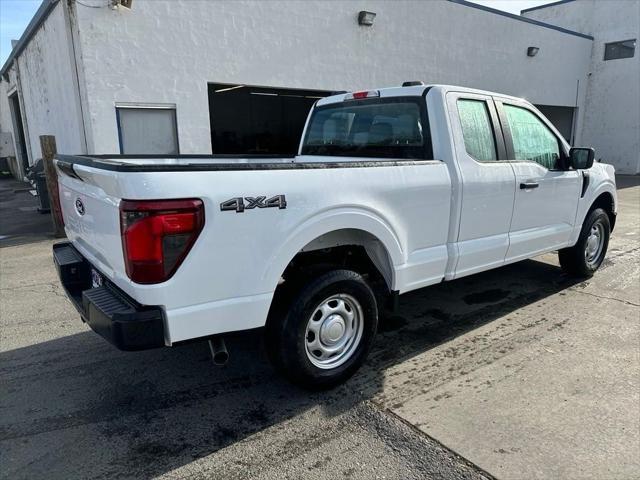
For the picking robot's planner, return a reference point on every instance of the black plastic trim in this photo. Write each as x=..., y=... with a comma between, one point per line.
x=106, y=309
x=67, y=169
x=506, y=131
x=585, y=183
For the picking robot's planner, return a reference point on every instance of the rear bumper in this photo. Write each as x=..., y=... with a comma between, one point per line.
x=107, y=309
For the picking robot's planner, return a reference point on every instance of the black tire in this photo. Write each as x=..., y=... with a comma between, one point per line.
x=574, y=260
x=286, y=332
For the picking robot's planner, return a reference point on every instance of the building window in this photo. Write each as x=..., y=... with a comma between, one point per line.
x=624, y=49
x=476, y=130
x=147, y=130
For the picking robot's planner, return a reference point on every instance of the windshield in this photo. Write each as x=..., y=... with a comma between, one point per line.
x=378, y=128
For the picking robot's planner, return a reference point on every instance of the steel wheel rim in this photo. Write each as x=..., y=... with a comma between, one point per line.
x=595, y=244
x=334, y=331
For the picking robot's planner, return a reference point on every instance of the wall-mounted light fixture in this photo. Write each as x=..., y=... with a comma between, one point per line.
x=366, y=18
x=120, y=3
x=532, y=51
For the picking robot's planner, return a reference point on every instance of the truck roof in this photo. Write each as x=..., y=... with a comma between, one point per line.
x=414, y=90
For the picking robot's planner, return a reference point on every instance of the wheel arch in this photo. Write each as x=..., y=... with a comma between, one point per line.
x=334, y=230
x=606, y=201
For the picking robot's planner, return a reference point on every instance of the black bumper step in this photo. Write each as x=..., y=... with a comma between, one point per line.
x=107, y=309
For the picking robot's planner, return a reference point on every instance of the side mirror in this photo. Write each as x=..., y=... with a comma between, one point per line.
x=581, y=158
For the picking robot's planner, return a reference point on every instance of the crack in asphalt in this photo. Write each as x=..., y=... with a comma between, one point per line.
x=603, y=297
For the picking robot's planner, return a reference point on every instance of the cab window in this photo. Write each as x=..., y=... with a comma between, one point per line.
x=532, y=139
x=476, y=130
x=394, y=127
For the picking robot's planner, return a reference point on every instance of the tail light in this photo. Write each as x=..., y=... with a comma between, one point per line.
x=157, y=235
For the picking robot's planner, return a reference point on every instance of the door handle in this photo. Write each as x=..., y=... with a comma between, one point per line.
x=529, y=185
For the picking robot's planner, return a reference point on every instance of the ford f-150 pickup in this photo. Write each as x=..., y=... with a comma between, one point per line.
x=392, y=190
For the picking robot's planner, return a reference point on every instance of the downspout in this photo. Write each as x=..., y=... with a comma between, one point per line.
x=574, y=125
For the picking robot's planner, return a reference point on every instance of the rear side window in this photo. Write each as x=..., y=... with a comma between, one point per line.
x=374, y=128
x=532, y=139
x=476, y=130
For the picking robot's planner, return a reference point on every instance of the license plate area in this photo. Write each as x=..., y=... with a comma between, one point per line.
x=97, y=280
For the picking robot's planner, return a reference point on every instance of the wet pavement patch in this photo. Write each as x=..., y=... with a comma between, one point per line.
x=391, y=323
x=487, y=296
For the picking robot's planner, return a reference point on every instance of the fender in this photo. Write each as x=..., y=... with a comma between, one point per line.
x=600, y=183
x=326, y=222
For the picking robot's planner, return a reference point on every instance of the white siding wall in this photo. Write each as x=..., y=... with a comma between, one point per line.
x=50, y=103
x=612, y=109
x=165, y=51
x=5, y=114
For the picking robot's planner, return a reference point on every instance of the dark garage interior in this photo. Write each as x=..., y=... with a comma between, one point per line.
x=561, y=117
x=258, y=120
x=248, y=119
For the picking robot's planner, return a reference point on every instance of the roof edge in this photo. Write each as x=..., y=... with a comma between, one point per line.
x=553, y=4
x=45, y=8
x=522, y=19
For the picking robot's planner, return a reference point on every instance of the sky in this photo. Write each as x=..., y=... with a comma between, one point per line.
x=16, y=14
x=511, y=6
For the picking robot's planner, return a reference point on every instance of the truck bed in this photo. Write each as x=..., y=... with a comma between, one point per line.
x=227, y=280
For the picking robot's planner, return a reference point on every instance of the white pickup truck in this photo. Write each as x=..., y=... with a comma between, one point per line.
x=392, y=190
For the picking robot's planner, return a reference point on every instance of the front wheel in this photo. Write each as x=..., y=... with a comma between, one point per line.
x=319, y=335
x=586, y=256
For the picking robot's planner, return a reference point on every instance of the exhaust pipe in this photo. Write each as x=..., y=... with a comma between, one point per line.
x=219, y=353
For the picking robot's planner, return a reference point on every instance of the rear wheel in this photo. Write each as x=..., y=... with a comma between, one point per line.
x=586, y=256
x=319, y=335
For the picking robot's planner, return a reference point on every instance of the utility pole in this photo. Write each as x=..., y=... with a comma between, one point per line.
x=48, y=147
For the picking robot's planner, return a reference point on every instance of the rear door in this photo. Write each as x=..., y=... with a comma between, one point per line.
x=487, y=182
x=547, y=194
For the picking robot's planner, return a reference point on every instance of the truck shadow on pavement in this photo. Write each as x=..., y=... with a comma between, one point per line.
x=76, y=407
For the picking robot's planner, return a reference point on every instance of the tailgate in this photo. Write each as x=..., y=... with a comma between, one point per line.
x=91, y=216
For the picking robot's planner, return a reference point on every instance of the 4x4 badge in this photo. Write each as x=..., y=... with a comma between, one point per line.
x=238, y=204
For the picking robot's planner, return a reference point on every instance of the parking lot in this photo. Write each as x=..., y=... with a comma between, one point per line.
x=518, y=373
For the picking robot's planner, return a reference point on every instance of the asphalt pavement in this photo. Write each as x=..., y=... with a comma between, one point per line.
x=517, y=373
x=20, y=219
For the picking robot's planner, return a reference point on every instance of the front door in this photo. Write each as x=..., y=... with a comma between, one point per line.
x=487, y=182
x=546, y=194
